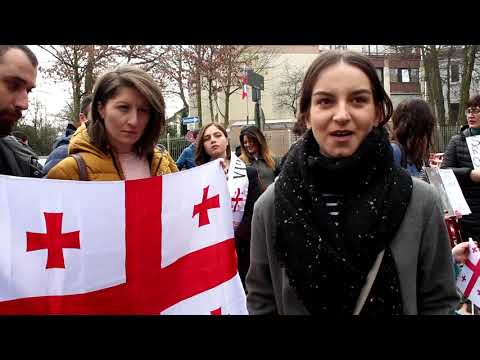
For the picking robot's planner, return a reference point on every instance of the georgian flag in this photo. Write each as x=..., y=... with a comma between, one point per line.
x=467, y=281
x=162, y=245
x=244, y=85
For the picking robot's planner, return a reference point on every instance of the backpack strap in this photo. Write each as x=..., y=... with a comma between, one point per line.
x=82, y=169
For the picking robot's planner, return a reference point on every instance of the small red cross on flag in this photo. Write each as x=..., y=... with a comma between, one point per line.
x=237, y=199
x=202, y=208
x=124, y=247
x=53, y=241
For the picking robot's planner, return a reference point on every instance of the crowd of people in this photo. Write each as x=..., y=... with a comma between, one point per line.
x=344, y=223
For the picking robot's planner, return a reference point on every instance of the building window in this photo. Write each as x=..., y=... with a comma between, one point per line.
x=338, y=47
x=414, y=75
x=403, y=75
x=375, y=49
x=454, y=73
x=393, y=75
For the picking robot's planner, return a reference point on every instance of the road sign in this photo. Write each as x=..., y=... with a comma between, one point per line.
x=255, y=80
x=256, y=95
x=190, y=120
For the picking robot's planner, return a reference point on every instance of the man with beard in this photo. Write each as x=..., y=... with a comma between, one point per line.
x=18, y=74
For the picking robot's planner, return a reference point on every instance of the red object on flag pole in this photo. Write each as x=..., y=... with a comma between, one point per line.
x=244, y=86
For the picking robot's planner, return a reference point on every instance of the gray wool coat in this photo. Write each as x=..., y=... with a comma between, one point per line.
x=420, y=249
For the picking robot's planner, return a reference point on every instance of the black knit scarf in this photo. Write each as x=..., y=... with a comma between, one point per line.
x=327, y=265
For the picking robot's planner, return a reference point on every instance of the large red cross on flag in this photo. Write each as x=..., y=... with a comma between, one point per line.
x=467, y=281
x=128, y=247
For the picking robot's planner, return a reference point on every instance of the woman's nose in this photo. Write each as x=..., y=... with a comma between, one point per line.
x=342, y=113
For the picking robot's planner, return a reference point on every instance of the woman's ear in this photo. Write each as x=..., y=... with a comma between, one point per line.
x=101, y=110
x=306, y=120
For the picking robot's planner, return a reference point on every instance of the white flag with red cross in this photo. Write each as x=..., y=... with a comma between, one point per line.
x=244, y=79
x=467, y=281
x=162, y=245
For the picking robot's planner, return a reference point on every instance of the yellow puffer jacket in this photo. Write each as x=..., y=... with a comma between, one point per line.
x=101, y=166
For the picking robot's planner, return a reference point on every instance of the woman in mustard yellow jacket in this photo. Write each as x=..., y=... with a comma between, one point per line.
x=119, y=140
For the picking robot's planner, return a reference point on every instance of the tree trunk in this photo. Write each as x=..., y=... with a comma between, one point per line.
x=199, y=99
x=184, y=100
x=427, y=63
x=198, y=81
x=437, y=86
x=77, y=94
x=469, y=62
x=180, y=83
x=428, y=79
x=89, y=70
x=227, y=108
x=449, y=60
x=219, y=111
x=210, y=98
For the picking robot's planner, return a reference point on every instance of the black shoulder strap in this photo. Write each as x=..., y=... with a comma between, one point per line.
x=82, y=169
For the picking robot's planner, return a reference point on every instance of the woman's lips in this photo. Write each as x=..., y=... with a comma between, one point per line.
x=342, y=135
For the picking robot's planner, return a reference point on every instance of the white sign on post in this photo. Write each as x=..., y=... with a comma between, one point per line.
x=454, y=192
x=473, y=143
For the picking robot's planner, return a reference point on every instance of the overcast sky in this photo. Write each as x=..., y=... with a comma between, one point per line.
x=54, y=95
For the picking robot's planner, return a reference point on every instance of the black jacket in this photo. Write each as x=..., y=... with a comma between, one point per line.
x=243, y=231
x=17, y=159
x=457, y=157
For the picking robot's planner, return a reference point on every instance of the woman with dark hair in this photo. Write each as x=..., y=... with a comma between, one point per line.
x=256, y=153
x=413, y=123
x=119, y=141
x=243, y=184
x=342, y=230
x=457, y=157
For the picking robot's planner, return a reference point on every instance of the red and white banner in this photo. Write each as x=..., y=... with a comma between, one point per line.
x=162, y=245
x=467, y=281
x=244, y=85
x=237, y=180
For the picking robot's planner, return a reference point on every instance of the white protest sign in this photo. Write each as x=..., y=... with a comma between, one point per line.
x=473, y=143
x=454, y=192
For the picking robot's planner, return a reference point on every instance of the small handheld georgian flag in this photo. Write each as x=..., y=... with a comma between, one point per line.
x=467, y=281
